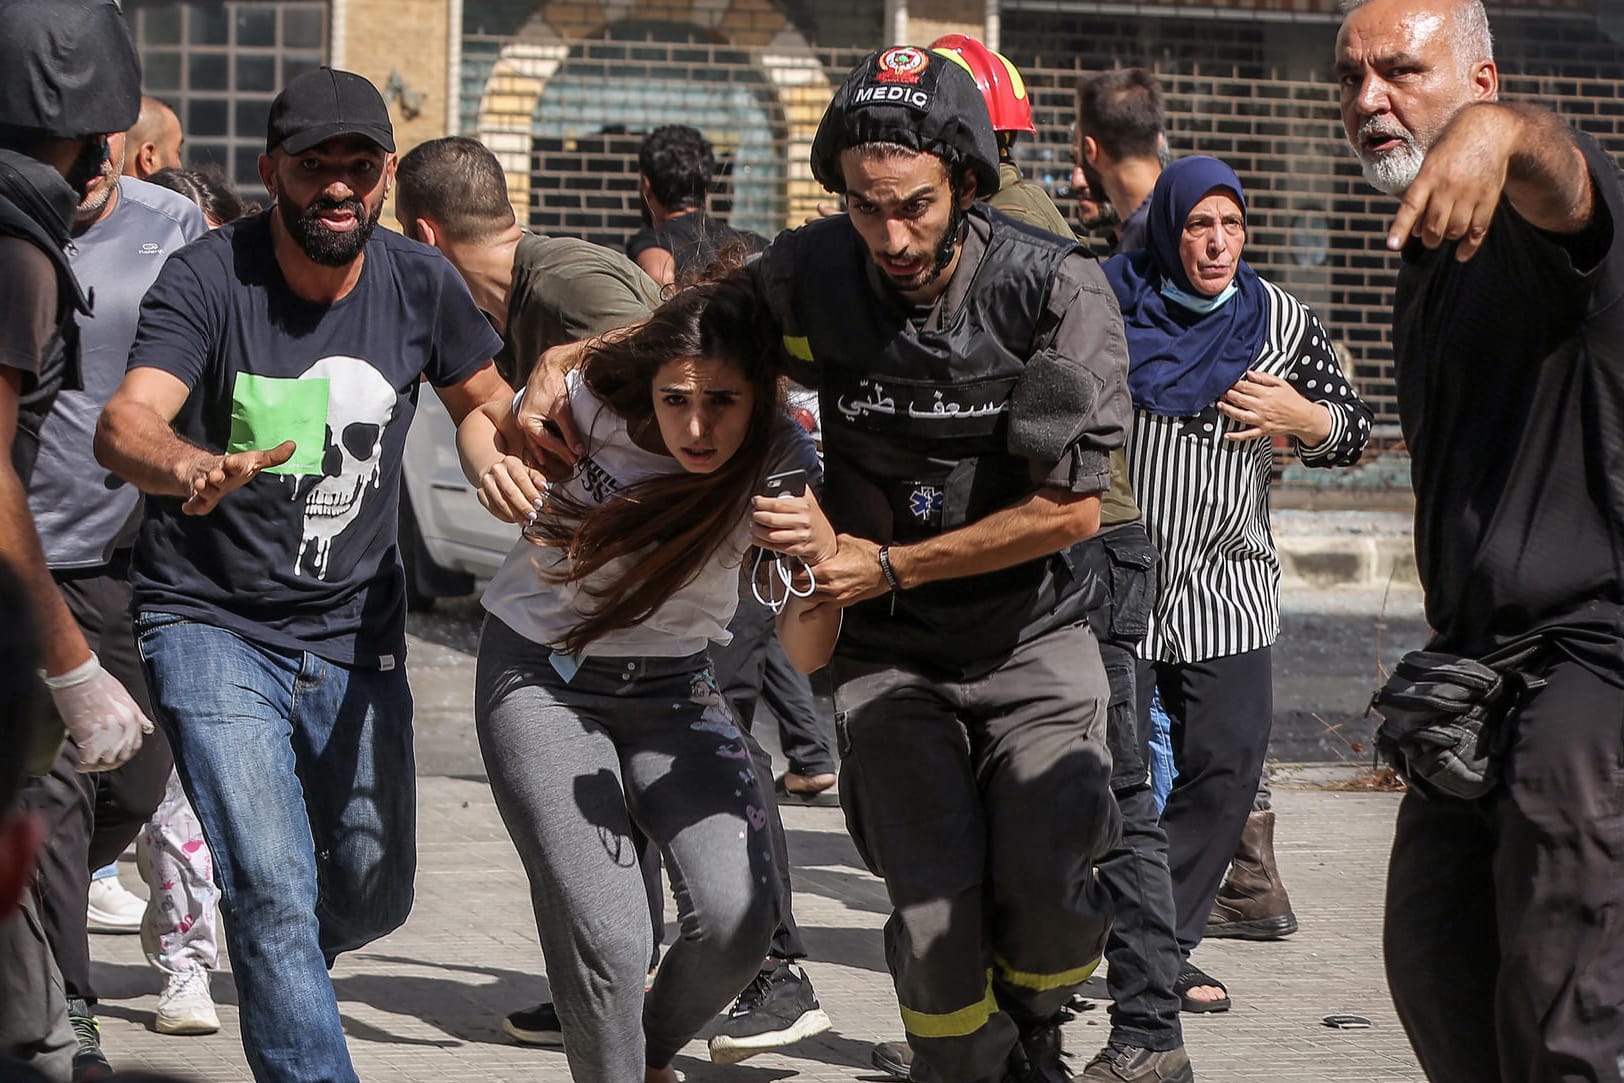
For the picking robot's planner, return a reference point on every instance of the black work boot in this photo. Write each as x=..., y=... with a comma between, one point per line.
x=1252, y=904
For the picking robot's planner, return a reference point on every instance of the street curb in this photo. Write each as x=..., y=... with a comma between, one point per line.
x=1316, y=776
x=1322, y=549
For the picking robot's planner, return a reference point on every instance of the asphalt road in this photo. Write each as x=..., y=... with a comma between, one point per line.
x=1334, y=648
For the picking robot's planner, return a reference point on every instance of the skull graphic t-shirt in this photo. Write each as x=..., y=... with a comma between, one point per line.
x=304, y=556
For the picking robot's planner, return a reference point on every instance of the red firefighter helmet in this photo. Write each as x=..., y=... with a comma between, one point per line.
x=998, y=80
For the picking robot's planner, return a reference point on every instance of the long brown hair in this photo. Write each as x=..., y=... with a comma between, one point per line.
x=674, y=523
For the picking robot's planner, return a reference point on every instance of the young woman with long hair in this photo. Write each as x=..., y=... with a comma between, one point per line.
x=596, y=705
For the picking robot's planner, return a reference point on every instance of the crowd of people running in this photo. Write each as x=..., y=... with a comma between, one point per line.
x=1007, y=491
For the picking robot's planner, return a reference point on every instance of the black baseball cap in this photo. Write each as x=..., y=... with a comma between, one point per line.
x=324, y=103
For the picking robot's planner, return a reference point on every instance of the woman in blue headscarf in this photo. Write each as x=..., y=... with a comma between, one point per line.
x=1221, y=363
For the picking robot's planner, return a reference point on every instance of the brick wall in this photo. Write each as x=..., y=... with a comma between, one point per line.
x=1261, y=96
x=1258, y=94
x=588, y=188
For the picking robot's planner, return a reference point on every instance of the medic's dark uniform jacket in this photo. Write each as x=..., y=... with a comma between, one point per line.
x=928, y=430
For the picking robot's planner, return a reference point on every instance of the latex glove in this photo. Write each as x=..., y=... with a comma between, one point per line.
x=104, y=722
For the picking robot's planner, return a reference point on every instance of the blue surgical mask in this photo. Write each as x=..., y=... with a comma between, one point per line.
x=1201, y=306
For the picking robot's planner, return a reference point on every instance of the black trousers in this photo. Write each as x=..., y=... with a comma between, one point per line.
x=983, y=803
x=1142, y=952
x=739, y=669
x=1221, y=710
x=753, y=668
x=93, y=817
x=1505, y=916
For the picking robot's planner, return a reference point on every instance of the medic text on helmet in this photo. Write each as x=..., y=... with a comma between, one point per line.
x=897, y=71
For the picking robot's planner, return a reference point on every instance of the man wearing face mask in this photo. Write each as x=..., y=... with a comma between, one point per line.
x=275, y=370
x=54, y=124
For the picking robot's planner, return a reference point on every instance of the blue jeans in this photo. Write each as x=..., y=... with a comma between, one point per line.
x=301, y=772
x=1162, y=770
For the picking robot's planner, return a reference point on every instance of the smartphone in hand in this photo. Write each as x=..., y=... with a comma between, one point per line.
x=786, y=483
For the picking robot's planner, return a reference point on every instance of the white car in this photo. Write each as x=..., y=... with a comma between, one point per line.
x=448, y=542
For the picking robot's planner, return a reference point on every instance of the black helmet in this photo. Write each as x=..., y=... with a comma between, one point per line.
x=67, y=67
x=913, y=97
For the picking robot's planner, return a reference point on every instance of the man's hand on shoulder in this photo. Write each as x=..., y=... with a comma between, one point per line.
x=213, y=476
x=543, y=410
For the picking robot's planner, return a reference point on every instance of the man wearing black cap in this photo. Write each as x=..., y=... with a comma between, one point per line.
x=972, y=375
x=272, y=380
x=54, y=124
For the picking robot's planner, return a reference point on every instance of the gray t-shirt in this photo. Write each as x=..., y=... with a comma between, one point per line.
x=83, y=512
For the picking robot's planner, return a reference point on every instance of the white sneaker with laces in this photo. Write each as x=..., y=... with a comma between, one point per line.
x=113, y=908
x=185, y=1006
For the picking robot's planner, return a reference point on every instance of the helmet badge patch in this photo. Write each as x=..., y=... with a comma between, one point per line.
x=902, y=64
x=895, y=80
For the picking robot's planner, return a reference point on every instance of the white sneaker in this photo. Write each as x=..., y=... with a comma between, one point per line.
x=113, y=908
x=185, y=1006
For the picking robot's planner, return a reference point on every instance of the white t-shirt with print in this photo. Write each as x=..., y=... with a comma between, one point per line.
x=695, y=616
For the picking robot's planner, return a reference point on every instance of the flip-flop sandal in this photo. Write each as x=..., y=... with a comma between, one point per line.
x=1191, y=976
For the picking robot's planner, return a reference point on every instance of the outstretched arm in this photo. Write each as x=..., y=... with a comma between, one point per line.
x=135, y=440
x=1523, y=152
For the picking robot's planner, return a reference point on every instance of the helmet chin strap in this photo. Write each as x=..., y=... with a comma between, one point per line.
x=950, y=240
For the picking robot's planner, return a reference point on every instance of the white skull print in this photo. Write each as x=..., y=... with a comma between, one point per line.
x=360, y=403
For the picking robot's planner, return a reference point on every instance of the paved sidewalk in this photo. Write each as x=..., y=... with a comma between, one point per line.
x=425, y=1003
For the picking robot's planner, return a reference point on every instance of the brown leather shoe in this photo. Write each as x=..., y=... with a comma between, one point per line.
x=1253, y=904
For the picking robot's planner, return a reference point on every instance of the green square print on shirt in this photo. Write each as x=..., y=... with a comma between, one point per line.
x=266, y=410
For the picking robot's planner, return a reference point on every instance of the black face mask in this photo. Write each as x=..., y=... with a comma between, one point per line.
x=87, y=165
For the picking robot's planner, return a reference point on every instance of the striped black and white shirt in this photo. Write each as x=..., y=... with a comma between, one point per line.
x=1206, y=499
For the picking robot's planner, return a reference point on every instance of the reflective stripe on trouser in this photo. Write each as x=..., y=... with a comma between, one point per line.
x=983, y=804
x=968, y=1020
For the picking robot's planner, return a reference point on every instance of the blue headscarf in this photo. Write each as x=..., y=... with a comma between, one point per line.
x=1181, y=361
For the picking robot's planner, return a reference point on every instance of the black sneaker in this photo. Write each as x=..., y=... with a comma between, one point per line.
x=537, y=1026
x=895, y=1059
x=88, y=1061
x=777, y=1009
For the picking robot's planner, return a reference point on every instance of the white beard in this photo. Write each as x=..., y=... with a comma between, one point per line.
x=1394, y=171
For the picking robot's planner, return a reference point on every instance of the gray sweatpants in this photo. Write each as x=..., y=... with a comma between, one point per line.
x=572, y=763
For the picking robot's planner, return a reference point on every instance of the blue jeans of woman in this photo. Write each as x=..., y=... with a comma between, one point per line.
x=302, y=774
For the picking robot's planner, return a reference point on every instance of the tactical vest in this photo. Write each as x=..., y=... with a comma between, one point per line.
x=37, y=206
x=915, y=437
